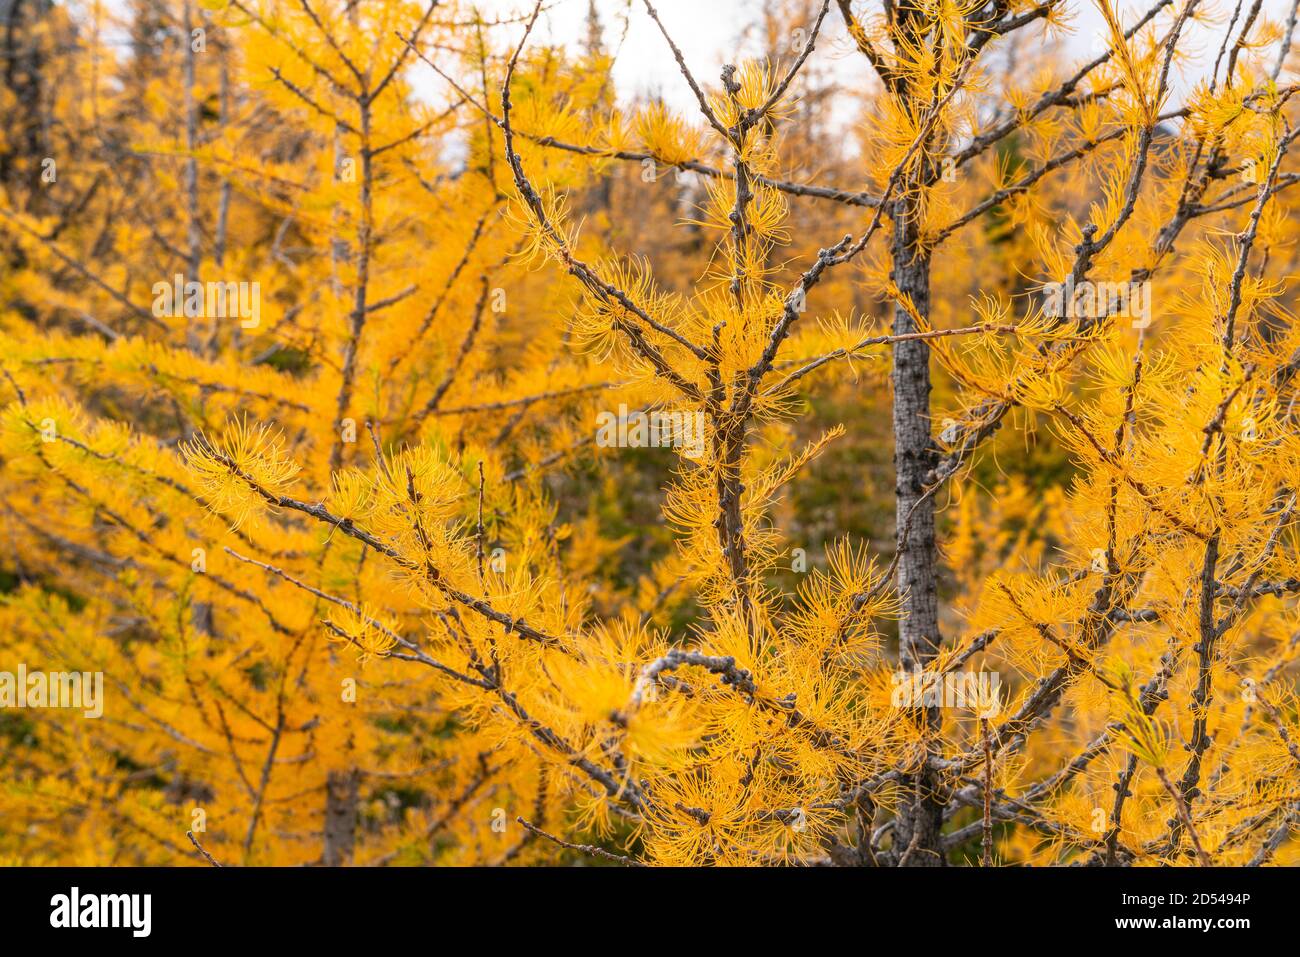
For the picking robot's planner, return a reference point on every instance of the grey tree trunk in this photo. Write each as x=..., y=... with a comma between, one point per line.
x=921, y=814
x=340, y=818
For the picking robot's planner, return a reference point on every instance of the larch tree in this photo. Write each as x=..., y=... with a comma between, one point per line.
x=324, y=360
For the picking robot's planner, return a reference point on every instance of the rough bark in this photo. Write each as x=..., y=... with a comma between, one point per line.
x=921, y=814
x=340, y=818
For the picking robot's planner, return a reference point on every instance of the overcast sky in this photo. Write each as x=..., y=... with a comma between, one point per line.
x=709, y=34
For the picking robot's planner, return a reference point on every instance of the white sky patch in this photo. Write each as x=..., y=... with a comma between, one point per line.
x=710, y=34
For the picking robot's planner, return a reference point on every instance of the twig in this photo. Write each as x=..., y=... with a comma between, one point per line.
x=206, y=856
